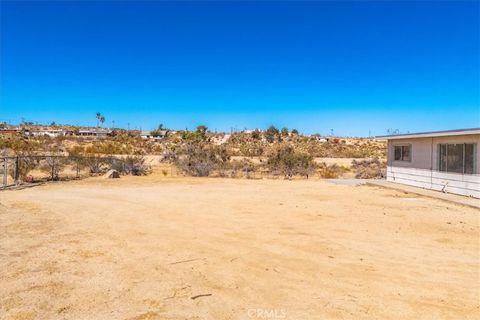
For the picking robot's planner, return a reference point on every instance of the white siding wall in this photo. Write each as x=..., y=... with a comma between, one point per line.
x=422, y=170
x=464, y=184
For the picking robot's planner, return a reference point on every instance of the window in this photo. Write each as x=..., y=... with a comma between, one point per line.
x=402, y=153
x=458, y=158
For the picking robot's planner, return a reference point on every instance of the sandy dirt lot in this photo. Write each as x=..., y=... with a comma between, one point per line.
x=182, y=248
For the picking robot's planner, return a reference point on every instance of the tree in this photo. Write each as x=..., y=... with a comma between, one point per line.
x=295, y=131
x=202, y=129
x=284, y=131
x=200, y=134
x=100, y=119
x=98, y=115
x=271, y=134
x=159, y=132
x=256, y=134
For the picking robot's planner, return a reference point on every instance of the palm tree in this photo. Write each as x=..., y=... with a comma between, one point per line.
x=98, y=118
x=100, y=121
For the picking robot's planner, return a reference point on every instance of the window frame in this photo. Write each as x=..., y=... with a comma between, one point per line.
x=401, y=145
x=439, y=157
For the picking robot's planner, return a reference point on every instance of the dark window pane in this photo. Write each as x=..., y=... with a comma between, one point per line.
x=398, y=153
x=469, y=158
x=443, y=157
x=455, y=158
x=406, y=153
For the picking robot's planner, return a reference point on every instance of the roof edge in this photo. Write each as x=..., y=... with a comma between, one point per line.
x=455, y=132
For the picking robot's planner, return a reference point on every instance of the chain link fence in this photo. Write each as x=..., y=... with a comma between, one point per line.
x=31, y=169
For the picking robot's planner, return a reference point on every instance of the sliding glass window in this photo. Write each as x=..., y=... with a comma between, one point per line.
x=457, y=157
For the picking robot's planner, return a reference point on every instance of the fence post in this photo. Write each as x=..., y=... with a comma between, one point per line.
x=5, y=171
x=16, y=171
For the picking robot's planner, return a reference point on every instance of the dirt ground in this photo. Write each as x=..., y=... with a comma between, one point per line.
x=183, y=248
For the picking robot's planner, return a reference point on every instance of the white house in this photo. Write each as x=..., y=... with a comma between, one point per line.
x=148, y=135
x=52, y=133
x=97, y=133
x=443, y=160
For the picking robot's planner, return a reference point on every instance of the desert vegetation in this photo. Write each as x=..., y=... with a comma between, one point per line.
x=276, y=153
x=370, y=169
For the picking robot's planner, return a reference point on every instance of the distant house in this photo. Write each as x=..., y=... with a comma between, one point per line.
x=9, y=131
x=443, y=160
x=94, y=133
x=319, y=138
x=52, y=133
x=155, y=136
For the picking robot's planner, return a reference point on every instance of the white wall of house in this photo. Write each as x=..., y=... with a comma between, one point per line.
x=423, y=169
x=48, y=133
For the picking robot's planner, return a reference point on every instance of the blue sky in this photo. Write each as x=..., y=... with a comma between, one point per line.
x=354, y=67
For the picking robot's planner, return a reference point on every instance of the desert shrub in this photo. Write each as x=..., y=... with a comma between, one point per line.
x=200, y=159
x=369, y=169
x=95, y=163
x=199, y=135
x=288, y=162
x=256, y=134
x=76, y=158
x=25, y=165
x=53, y=165
x=245, y=166
x=19, y=145
x=136, y=166
x=96, y=157
x=329, y=172
x=130, y=165
x=272, y=134
x=168, y=156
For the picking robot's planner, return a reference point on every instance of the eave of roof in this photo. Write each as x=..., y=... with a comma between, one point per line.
x=446, y=133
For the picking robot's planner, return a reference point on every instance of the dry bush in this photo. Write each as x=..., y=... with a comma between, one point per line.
x=130, y=165
x=332, y=171
x=286, y=161
x=369, y=169
x=168, y=156
x=96, y=164
x=25, y=165
x=136, y=166
x=245, y=166
x=53, y=165
x=201, y=159
x=198, y=159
